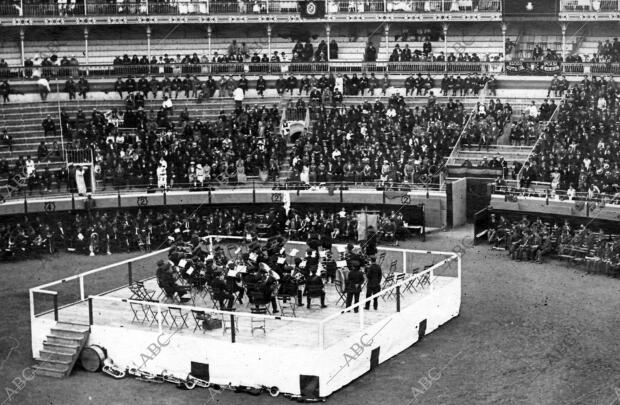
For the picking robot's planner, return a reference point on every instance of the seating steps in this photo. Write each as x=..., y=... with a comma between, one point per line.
x=61, y=350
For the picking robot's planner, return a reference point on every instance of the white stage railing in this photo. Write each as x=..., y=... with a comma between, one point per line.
x=103, y=280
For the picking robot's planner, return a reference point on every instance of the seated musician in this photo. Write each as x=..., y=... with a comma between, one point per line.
x=234, y=284
x=201, y=250
x=300, y=275
x=288, y=284
x=315, y=280
x=167, y=281
x=221, y=293
x=268, y=286
x=330, y=267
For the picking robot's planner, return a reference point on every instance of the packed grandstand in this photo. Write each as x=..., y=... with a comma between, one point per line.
x=137, y=126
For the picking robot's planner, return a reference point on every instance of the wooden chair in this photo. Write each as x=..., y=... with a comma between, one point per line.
x=381, y=258
x=314, y=291
x=259, y=300
x=287, y=302
x=393, y=266
x=138, y=313
x=340, y=291
x=410, y=285
x=152, y=313
x=226, y=323
x=387, y=282
x=177, y=317
x=261, y=322
x=199, y=318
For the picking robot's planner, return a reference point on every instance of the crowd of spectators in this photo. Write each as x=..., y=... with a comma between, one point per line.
x=158, y=149
x=533, y=240
x=93, y=231
x=607, y=52
x=579, y=151
x=52, y=65
x=487, y=124
x=376, y=142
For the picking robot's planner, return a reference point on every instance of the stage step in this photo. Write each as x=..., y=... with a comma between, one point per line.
x=56, y=355
x=63, y=339
x=61, y=349
x=42, y=370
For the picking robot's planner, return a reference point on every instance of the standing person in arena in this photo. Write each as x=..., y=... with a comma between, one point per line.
x=373, y=275
x=354, y=283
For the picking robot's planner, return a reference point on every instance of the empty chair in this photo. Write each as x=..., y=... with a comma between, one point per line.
x=199, y=318
x=258, y=323
x=138, y=313
x=177, y=317
x=340, y=291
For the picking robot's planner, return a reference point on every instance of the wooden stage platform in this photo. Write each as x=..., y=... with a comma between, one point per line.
x=324, y=348
x=284, y=332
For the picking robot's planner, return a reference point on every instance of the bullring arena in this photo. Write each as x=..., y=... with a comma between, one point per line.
x=318, y=201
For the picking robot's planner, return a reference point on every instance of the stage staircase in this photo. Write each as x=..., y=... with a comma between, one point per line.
x=61, y=349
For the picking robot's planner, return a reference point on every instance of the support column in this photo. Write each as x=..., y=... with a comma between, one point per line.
x=386, y=31
x=86, y=45
x=445, y=46
x=327, y=32
x=564, y=27
x=445, y=39
x=148, y=42
x=504, y=31
x=22, y=34
x=209, y=32
x=269, y=41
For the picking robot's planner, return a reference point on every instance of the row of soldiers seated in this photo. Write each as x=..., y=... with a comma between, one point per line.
x=262, y=274
x=534, y=240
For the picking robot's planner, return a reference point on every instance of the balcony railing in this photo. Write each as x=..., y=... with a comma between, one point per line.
x=106, y=71
x=304, y=68
x=589, y=5
x=145, y=7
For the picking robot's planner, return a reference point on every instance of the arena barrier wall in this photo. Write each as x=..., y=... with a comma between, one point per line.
x=324, y=364
x=578, y=209
x=435, y=206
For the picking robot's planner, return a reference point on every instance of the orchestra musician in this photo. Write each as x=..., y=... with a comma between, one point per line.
x=315, y=280
x=373, y=275
x=370, y=247
x=167, y=281
x=354, y=283
x=234, y=284
x=221, y=293
x=269, y=287
x=301, y=275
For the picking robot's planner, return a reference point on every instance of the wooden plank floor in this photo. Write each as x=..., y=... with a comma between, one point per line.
x=278, y=331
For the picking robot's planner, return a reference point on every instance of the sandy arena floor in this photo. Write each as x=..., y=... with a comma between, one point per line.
x=527, y=334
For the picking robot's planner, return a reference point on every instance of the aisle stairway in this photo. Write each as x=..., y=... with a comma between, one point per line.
x=474, y=156
x=61, y=349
